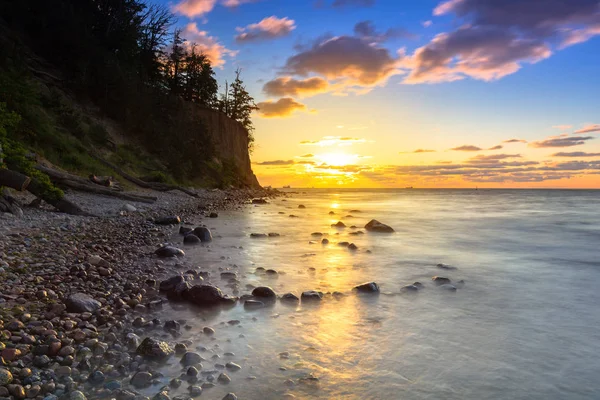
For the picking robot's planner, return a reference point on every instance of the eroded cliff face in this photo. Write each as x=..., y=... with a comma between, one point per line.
x=230, y=139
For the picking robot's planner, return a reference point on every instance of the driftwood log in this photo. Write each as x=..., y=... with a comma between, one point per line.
x=14, y=179
x=161, y=187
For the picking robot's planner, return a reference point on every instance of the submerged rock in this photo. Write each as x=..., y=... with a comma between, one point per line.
x=253, y=304
x=207, y=295
x=440, y=280
x=170, y=220
x=376, y=226
x=203, y=234
x=339, y=224
x=190, y=358
x=171, y=283
x=155, y=349
x=230, y=396
x=213, y=215
x=191, y=239
x=264, y=292
x=80, y=303
x=448, y=286
x=369, y=287
x=311, y=295
x=169, y=251
x=409, y=288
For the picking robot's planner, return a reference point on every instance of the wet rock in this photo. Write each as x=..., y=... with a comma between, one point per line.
x=409, y=288
x=77, y=395
x=259, y=201
x=203, y=233
x=232, y=366
x=273, y=234
x=448, y=286
x=208, y=330
x=369, y=287
x=302, y=206
x=141, y=380
x=207, y=296
x=224, y=378
x=156, y=349
x=316, y=234
x=418, y=284
x=164, y=395
x=5, y=377
x=195, y=391
x=271, y=272
x=258, y=235
x=376, y=226
x=170, y=284
x=169, y=251
x=191, y=358
x=63, y=371
x=184, y=230
x=344, y=244
x=96, y=377
x=325, y=241
x=128, y=208
x=230, y=396
x=264, y=292
x=10, y=354
x=169, y=220
x=460, y=284
x=440, y=280
x=339, y=224
x=446, y=267
x=172, y=325
x=213, y=215
x=253, y=304
x=17, y=391
x=180, y=348
x=191, y=239
x=179, y=292
x=352, y=246
x=311, y=296
x=331, y=213
x=192, y=372
x=80, y=303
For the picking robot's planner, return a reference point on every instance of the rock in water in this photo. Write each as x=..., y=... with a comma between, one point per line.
x=339, y=224
x=376, y=226
x=264, y=292
x=259, y=201
x=80, y=303
x=312, y=295
x=301, y=206
x=156, y=349
x=171, y=283
x=230, y=396
x=184, y=230
x=207, y=295
x=290, y=297
x=141, y=380
x=258, y=235
x=191, y=239
x=253, y=304
x=191, y=358
x=213, y=215
x=352, y=246
x=369, y=287
x=169, y=251
x=170, y=220
x=440, y=280
x=409, y=288
x=203, y=234
x=449, y=287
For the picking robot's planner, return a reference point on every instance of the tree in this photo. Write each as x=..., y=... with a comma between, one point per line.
x=241, y=105
x=156, y=21
x=200, y=84
x=175, y=62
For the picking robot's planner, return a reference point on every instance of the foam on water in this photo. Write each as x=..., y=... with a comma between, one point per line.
x=524, y=325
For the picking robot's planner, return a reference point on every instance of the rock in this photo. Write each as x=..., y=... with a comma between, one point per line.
x=192, y=372
x=325, y=241
x=264, y=292
x=230, y=396
x=259, y=201
x=17, y=391
x=179, y=292
x=128, y=208
x=331, y=213
x=164, y=395
x=290, y=297
x=376, y=226
x=141, y=380
x=77, y=395
x=409, y=288
x=10, y=354
x=418, y=284
x=191, y=358
x=80, y=303
x=316, y=234
x=203, y=234
x=448, y=286
x=96, y=377
x=184, y=230
x=169, y=251
x=170, y=284
x=170, y=220
x=213, y=215
x=156, y=349
x=311, y=295
x=273, y=234
x=460, y=284
x=446, y=267
x=352, y=246
x=232, y=366
x=63, y=371
x=208, y=330
x=301, y=206
x=195, y=391
x=253, y=304
x=339, y=224
x=439, y=280
x=224, y=378
x=258, y=235
x=369, y=287
x=191, y=239
x=172, y=325
x=5, y=377
x=207, y=295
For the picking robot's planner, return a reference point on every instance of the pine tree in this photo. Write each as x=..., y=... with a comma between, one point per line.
x=241, y=104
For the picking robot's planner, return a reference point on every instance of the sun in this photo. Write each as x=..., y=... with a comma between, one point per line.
x=337, y=159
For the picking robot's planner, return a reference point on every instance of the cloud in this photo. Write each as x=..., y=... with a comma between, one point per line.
x=493, y=157
x=348, y=59
x=423, y=151
x=427, y=24
x=276, y=162
x=576, y=154
x=498, y=147
x=197, y=8
x=269, y=28
x=589, y=129
x=309, y=155
x=287, y=86
x=466, y=148
x=333, y=141
x=206, y=44
x=368, y=31
x=496, y=37
x=561, y=141
x=515, y=141
x=562, y=127
x=283, y=107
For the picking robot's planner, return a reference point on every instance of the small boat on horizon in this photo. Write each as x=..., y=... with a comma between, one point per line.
x=286, y=187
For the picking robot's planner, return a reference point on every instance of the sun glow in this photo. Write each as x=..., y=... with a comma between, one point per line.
x=337, y=159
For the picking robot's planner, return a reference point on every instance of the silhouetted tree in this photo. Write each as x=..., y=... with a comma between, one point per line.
x=241, y=104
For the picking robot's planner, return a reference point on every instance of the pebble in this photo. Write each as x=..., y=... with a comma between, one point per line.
x=224, y=378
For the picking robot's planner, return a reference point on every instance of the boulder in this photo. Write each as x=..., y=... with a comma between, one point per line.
x=311, y=295
x=376, y=226
x=440, y=280
x=207, y=296
x=369, y=287
x=191, y=239
x=203, y=234
x=352, y=246
x=264, y=292
x=169, y=251
x=339, y=224
x=80, y=303
x=179, y=291
x=190, y=358
x=155, y=349
x=290, y=297
x=169, y=220
x=171, y=283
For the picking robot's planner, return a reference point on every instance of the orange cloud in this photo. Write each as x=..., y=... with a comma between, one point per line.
x=589, y=129
x=283, y=107
x=206, y=44
x=287, y=86
x=466, y=147
x=269, y=28
x=333, y=141
x=561, y=141
x=197, y=8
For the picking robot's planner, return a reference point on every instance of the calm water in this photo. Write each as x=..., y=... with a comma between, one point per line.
x=525, y=325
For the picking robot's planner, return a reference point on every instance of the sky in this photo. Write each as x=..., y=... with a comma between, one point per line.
x=397, y=93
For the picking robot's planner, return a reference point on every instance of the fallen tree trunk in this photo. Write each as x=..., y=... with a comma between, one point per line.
x=14, y=179
x=161, y=187
x=77, y=183
x=63, y=205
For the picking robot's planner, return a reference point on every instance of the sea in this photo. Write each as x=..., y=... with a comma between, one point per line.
x=524, y=325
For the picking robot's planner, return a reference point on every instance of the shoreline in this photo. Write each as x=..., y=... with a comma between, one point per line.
x=48, y=353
